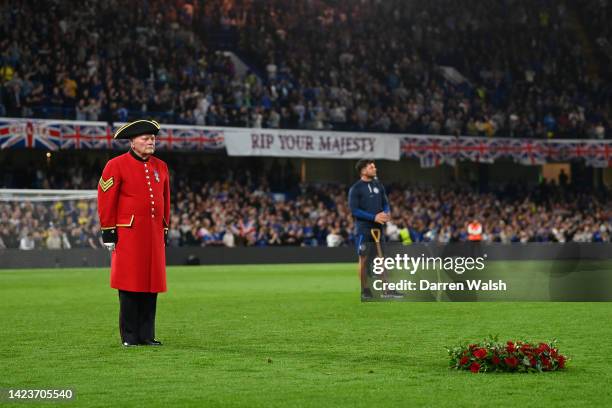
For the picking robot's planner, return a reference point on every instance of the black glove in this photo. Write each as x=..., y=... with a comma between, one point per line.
x=110, y=236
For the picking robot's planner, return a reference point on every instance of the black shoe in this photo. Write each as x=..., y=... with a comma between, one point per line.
x=152, y=343
x=128, y=344
x=366, y=294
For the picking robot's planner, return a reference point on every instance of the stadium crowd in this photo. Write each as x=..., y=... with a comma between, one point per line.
x=244, y=211
x=517, y=68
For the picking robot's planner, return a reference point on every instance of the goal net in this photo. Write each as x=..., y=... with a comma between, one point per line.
x=47, y=218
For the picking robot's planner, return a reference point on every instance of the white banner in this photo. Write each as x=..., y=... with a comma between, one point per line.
x=300, y=143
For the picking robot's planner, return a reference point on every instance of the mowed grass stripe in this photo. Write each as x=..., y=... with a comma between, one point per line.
x=284, y=335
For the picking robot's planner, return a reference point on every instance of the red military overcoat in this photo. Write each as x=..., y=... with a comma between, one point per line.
x=134, y=199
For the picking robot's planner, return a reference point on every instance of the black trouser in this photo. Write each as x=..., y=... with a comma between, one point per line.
x=137, y=316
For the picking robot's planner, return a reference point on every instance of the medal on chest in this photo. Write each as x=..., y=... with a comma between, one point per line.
x=156, y=174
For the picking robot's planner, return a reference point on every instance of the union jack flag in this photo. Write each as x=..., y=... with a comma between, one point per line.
x=599, y=154
x=28, y=134
x=505, y=148
x=435, y=151
x=94, y=136
x=200, y=139
x=103, y=138
x=530, y=152
x=577, y=150
x=74, y=136
x=212, y=140
x=190, y=139
x=479, y=150
x=8, y=130
x=408, y=147
x=551, y=150
x=168, y=140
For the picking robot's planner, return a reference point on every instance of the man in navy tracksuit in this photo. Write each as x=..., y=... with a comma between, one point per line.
x=370, y=208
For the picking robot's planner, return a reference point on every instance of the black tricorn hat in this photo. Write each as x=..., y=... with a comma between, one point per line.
x=137, y=128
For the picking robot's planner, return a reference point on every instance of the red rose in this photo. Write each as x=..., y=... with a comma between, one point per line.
x=543, y=348
x=495, y=360
x=553, y=352
x=510, y=347
x=561, y=361
x=480, y=353
x=511, y=361
x=546, y=362
x=533, y=362
x=526, y=349
x=464, y=361
x=475, y=367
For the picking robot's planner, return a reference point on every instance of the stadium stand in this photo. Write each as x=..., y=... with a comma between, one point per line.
x=241, y=209
x=513, y=68
x=431, y=68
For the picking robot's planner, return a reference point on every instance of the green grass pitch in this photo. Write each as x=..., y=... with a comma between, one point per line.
x=286, y=336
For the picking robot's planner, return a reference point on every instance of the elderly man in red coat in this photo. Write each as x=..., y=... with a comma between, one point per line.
x=134, y=210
